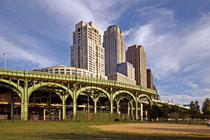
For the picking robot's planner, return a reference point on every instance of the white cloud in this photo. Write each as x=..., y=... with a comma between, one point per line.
x=192, y=85
x=69, y=12
x=14, y=52
x=173, y=50
x=206, y=90
x=183, y=99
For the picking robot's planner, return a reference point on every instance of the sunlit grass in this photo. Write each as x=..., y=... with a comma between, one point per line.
x=74, y=131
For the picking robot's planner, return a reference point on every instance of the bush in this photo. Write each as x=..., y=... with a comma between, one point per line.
x=100, y=117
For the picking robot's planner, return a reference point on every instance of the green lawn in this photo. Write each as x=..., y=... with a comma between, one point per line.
x=74, y=131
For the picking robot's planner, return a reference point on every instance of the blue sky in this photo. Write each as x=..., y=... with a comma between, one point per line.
x=175, y=34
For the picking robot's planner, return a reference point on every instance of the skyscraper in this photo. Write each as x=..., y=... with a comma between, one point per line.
x=137, y=56
x=114, y=48
x=87, y=51
x=149, y=79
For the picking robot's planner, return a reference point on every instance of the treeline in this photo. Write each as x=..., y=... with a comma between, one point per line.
x=167, y=112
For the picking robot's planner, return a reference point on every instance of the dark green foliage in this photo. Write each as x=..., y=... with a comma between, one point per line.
x=100, y=117
x=206, y=108
x=154, y=112
x=194, y=111
x=175, y=112
x=165, y=111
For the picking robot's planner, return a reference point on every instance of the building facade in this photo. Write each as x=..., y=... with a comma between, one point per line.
x=149, y=79
x=137, y=57
x=87, y=51
x=114, y=46
x=62, y=69
x=127, y=69
x=121, y=78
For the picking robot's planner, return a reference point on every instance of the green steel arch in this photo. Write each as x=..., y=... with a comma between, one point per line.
x=13, y=86
x=37, y=86
x=124, y=91
x=125, y=97
x=91, y=87
x=99, y=96
x=144, y=95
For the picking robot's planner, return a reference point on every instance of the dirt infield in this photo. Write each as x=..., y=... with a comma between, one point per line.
x=158, y=128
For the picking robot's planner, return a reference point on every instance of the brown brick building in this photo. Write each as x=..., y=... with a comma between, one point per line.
x=149, y=79
x=137, y=56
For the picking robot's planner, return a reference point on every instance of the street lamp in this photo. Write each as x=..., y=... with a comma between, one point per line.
x=5, y=60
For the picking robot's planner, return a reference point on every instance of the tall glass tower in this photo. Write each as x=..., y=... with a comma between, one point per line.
x=114, y=46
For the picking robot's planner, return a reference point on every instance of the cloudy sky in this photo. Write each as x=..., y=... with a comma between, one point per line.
x=175, y=34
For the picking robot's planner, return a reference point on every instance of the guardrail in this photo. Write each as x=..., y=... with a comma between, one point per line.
x=25, y=73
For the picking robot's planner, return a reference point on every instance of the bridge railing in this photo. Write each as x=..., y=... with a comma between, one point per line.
x=23, y=73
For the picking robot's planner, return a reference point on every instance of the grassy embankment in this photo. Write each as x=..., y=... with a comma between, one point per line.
x=76, y=131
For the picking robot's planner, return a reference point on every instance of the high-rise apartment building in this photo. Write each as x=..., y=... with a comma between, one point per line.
x=114, y=46
x=137, y=56
x=87, y=51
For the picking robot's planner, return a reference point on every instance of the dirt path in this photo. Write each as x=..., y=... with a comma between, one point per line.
x=158, y=128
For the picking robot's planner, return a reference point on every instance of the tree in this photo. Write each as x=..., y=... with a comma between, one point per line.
x=154, y=112
x=206, y=108
x=175, y=112
x=194, y=110
x=165, y=111
x=184, y=114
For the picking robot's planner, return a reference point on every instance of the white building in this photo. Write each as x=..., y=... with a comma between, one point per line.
x=127, y=69
x=61, y=69
x=87, y=51
x=121, y=78
x=125, y=74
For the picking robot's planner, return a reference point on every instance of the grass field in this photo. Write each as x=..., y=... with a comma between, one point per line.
x=83, y=131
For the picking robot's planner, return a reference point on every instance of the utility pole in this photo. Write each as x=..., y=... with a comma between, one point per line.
x=5, y=60
x=76, y=60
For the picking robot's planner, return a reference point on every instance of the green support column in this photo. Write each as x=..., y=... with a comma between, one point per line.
x=146, y=115
x=50, y=107
x=24, y=102
x=131, y=110
x=74, y=103
x=63, y=107
x=95, y=105
x=111, y=104
x=118, y=107
x=12, y=106
x=128, y=109
x=22, y=107
x=88, y=105
x=44, y=111
x=142, y=117
x=137, y=117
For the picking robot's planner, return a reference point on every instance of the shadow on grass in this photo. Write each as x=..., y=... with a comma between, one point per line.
x=207, y=131
x=117, y=136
